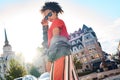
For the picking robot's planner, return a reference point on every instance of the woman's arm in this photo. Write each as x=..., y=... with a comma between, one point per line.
x=56, y=31
x=45, y=32
x=45, y=37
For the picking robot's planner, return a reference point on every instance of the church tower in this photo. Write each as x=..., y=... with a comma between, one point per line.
x=5, y=57
x=7, y=49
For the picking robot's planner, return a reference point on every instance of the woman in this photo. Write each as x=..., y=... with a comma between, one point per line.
x=56, y=33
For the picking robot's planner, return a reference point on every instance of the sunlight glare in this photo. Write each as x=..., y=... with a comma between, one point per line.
x=29, y=56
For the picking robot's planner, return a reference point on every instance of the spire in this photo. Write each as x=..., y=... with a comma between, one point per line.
x=6, y=40
x=84, y=28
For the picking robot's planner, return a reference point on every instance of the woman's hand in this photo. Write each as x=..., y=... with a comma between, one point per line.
x=44, y=22
x=48, y=66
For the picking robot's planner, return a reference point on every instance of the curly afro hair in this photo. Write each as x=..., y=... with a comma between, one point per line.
x=54, y=6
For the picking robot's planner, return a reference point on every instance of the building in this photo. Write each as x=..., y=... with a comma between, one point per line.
x=85, y=46
x=119, y=46
x=5, y=57
x=118, y=50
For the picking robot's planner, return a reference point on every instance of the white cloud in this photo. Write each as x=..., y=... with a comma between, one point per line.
x=117, y=22
x=111, y=37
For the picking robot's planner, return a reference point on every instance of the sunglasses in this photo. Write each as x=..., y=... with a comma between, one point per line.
x=49, y=15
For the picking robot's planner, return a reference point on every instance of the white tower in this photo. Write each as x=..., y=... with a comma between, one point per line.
x=7, y=49
x=5, y=57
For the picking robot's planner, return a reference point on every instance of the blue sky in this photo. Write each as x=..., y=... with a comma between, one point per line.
x=109, y=8
x=21, y=18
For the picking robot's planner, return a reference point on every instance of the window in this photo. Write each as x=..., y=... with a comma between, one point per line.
x=77, y=34
x=75, y=49
x=82, y=53
x=78, y=41
x=92, y=49
x=80, y=47
x=88, y=36
x=92, y=42
x=84, y=60
x=73, y=42
x=96, y=55
x=85, y=30
x=88, y=43
x=92, y=57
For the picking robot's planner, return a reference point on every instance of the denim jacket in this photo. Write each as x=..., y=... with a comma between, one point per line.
x=59, y=46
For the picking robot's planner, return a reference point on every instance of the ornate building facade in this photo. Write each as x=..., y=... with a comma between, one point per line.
x=85, y=46
x=5, y=57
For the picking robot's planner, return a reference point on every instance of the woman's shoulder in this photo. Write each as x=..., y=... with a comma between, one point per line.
x=59, y=20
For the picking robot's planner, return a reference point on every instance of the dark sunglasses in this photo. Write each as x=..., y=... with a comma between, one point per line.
x=49, y=15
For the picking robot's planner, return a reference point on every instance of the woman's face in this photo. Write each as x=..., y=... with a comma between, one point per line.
x=50, y=18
